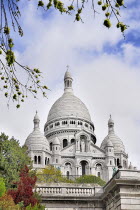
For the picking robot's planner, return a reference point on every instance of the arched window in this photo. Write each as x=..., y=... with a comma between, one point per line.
x=110, y=162
x=65, y=143
x=48, y=160
x=72, y=141
x=57, y=124
x=45, y=160
x=39, y=159
x=98, y=166
x=99, y=174
x=68, y=173
x=84, y=164
x=35, y=159
x=51, y=146
x=86, y=125
x=118, y=162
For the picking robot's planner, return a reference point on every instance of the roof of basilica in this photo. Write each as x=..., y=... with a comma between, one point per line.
x=68, y=105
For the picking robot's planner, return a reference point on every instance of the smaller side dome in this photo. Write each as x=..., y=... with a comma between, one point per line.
x=36, y=140
x=56, y=141
x=115, y=140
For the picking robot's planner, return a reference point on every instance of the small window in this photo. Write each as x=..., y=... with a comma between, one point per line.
x=51, y=146
x=98, y=166
x=68, y=174
x=99, y=174
x=65, y=143
x=35, y=159
x=56, y=148
x=39, y=159
x=72, y=141
x=45, y=160
x=118, y=162
x=109, y=150
x=110, y=162
x=57, y=124
x=86, y=125
x=51, y=126
x=56, y=160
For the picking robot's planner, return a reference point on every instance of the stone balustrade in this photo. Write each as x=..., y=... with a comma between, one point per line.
x=68, y=190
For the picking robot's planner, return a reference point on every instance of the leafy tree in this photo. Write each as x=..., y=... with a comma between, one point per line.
x=51, y=174
x=2, y=187
x=12, y=158
x=14, y=88
x=24, y=192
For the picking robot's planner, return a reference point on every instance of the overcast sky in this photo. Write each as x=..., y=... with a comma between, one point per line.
x=104, y=66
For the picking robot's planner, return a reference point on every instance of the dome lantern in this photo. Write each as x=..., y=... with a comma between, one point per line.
x=68, y=81
x=110, y=125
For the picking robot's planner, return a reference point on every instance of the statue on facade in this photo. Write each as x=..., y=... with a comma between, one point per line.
x=83, y=146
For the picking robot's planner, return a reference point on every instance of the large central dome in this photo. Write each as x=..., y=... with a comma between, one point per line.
x=68, y=105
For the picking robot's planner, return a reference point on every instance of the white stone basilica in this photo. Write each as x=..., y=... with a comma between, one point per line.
x=69, y=142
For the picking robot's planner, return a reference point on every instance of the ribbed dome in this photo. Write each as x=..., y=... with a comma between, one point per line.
x=68, y=106
x=36, y=140
x=116, y=141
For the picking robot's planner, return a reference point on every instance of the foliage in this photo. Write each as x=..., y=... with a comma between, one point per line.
x=51, y=174
x=2, y=187
x=10, y=69
x=7, y=203
x=12, y=158
x=36, y=207
x=90, y=179
x=24, y=192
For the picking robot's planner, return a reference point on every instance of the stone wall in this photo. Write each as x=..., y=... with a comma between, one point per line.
x=122, y=192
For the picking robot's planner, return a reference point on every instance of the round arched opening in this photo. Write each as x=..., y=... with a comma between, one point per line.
x=84, y=165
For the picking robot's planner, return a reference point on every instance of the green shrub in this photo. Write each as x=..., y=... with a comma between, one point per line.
x=91, y=179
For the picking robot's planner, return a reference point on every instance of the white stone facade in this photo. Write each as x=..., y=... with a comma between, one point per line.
x=69, y=142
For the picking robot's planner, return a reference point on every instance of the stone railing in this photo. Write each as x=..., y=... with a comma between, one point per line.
x=69, y=190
